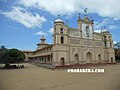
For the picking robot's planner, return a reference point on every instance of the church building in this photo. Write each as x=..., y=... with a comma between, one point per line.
x=74, y=45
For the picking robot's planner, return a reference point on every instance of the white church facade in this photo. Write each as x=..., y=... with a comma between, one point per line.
x=74, y=45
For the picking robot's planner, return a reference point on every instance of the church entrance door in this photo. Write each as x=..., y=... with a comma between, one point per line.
x=62, y=62
x=88, y=57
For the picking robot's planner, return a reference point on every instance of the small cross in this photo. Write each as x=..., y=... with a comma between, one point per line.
x=85, y=10
x=79, y=16
x=58, y=16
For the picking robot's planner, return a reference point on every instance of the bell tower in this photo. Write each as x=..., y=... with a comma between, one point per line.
x=60, y=38
x=60, y=32
x=108, y=42
x=85, y=26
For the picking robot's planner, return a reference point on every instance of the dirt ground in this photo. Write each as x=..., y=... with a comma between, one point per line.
x=37, y=78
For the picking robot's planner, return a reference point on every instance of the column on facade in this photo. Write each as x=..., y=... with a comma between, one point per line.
x=39, y=58
x=42, y=59
x=45, y=59
x=51, y=59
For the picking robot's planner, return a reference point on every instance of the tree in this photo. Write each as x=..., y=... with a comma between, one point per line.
x=117, y=45
x=14, y=56
x=117, y=51
x=3, y=50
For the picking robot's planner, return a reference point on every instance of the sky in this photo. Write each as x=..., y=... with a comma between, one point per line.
x=23, y=22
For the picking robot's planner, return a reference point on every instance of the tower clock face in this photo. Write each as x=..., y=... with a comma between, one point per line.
x=87, y=30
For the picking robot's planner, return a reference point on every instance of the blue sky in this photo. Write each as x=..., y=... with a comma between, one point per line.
x=23, y=22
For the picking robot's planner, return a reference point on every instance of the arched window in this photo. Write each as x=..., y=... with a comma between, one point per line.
x=87, y=30
x=105, y=37
x=62, y=39
x=54, y=30
x=76, y=58
x=110, y=44
x=109, y=37
x=105, y=43
x=99, y=58
x=61, y=30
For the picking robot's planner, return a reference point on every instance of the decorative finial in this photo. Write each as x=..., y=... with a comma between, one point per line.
x=91, y=19
x=104, y=27
x=43, y=39
x=85, y=11
x=43, y=35
x=58, y=16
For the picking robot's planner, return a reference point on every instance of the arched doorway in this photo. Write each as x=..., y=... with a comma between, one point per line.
x=111, y=59
x=88, y=57
x=76, y=58
x=62, y=62
x=99, y=58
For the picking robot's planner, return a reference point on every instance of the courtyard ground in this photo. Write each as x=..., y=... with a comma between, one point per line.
x=37, y=78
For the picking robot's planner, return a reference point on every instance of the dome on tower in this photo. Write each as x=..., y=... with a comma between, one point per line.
x=58, y=20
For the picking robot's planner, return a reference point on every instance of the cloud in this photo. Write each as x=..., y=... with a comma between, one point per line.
x=103, y=23
x=115, y=19
x=111, y=27
x=114, y=42
x=106, y=23
x=24, y=17
x=41, y=33
x=104, y=8
x=53, y=6
x=50, y=30
x=99, y=30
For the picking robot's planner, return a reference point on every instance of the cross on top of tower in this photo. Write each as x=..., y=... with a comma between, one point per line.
x=85, y=11
x=58, y=16
x=79, y=16
x=43, y=36
x=43, y=39
x=58, y=19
